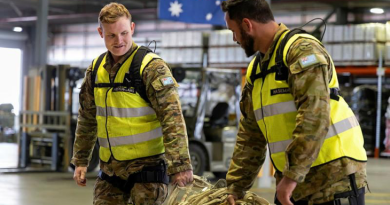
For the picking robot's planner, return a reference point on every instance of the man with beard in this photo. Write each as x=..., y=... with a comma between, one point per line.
x=291, y=103
x=129, y=103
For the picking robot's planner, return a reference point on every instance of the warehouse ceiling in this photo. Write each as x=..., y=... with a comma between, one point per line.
x=23, y=12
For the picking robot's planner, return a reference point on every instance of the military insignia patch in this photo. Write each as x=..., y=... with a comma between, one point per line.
x=308, y=61
x=161, y=70
x=305, y=46
x=167, y=81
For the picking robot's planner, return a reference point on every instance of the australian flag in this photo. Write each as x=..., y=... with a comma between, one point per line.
x=192, y=11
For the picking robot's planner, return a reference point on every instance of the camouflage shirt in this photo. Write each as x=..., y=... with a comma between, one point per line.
x=163, y=99
x=310, y=89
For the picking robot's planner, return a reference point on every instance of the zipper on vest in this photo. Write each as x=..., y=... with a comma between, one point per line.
x=262, y=111
x=108, y=138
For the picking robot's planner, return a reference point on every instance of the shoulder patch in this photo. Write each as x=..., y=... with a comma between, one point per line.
x=161, y=70
x=308, y=61
x=305, y=46
x=167, y=81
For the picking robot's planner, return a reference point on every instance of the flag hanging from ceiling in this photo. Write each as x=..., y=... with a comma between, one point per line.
x=192, y=11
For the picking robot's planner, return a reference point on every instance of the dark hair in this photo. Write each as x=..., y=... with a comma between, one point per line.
x=257, y=10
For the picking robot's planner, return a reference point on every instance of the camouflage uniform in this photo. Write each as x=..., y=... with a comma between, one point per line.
x=165, y=101
x=310, y=89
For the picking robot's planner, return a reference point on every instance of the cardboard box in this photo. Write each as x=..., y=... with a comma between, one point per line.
x=387, y=51
x=197, y=55
x=388, y=31
x=347, y=33
x=338, y=33
x=165, y=39
x=231, y=52
x=213, y=55
x=197, y=38
x=328, y=36
x=328, y=48
x=347, y=52
x=222, y=55
x=181, y=39
x=373, y=50
x=359, y=32
x=337, y=51
x=213, y=39
x=358, y=51
x=375, y=32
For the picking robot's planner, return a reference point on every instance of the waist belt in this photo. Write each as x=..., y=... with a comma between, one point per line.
x=153, y=174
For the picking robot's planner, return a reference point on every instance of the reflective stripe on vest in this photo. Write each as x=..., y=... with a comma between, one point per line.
x=334, y=129
x=124, y=112
x=132, y=139
x=127, y=127
x=275, y=109
x=276, y=116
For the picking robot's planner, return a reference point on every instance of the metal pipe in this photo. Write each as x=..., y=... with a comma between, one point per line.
x=380, y=73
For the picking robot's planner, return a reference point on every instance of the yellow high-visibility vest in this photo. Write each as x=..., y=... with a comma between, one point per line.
x=127, y=127
x=276, y=116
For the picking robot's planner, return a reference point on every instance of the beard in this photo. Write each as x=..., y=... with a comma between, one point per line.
x=248, y=43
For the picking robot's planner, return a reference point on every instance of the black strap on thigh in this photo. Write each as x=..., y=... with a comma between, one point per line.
x=355, y=196
x=152, y=174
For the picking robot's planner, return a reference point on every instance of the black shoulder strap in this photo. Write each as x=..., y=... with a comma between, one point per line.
x=264, y=67
x=279, y=52
x=133, y=77
x=254, y=67
x=96, y=67
x=280, y=68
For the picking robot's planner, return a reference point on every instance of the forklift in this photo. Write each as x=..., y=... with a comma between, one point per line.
x=210, y=104
x=48, y=120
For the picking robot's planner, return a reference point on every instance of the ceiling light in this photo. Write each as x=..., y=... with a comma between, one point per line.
x=18, y=29
x=377, y=11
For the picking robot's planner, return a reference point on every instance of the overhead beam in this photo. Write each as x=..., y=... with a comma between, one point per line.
x=71, y=16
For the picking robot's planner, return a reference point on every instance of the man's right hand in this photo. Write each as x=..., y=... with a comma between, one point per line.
x=232, y=199
x=79, y=176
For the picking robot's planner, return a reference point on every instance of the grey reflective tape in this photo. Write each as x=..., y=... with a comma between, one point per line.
x=103, y=142
x=124, y=112
x=131, y=139
x=96, y=79
x=275, y=109
x=100, y=111
x=342, y=126
x=280, y=146
x=334, y=130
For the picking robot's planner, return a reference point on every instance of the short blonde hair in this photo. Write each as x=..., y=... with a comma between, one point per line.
x=110, y=13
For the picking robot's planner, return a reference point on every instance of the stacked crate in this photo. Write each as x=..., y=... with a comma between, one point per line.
x=223, y=50
x=387, y=45
x=185, y=47
x=355, y=45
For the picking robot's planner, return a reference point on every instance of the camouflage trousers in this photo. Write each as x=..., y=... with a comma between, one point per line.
x=141, y=194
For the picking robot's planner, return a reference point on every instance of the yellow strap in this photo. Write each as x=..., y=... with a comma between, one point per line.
x=149, y=57
x=292, y=40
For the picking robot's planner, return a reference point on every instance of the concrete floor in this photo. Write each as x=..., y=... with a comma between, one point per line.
x=59, y=189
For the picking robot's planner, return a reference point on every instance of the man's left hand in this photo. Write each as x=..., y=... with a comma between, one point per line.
x=182, y=178
x=284, y=190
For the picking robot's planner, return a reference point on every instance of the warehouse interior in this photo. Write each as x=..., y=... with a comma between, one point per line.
x=47, y=45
